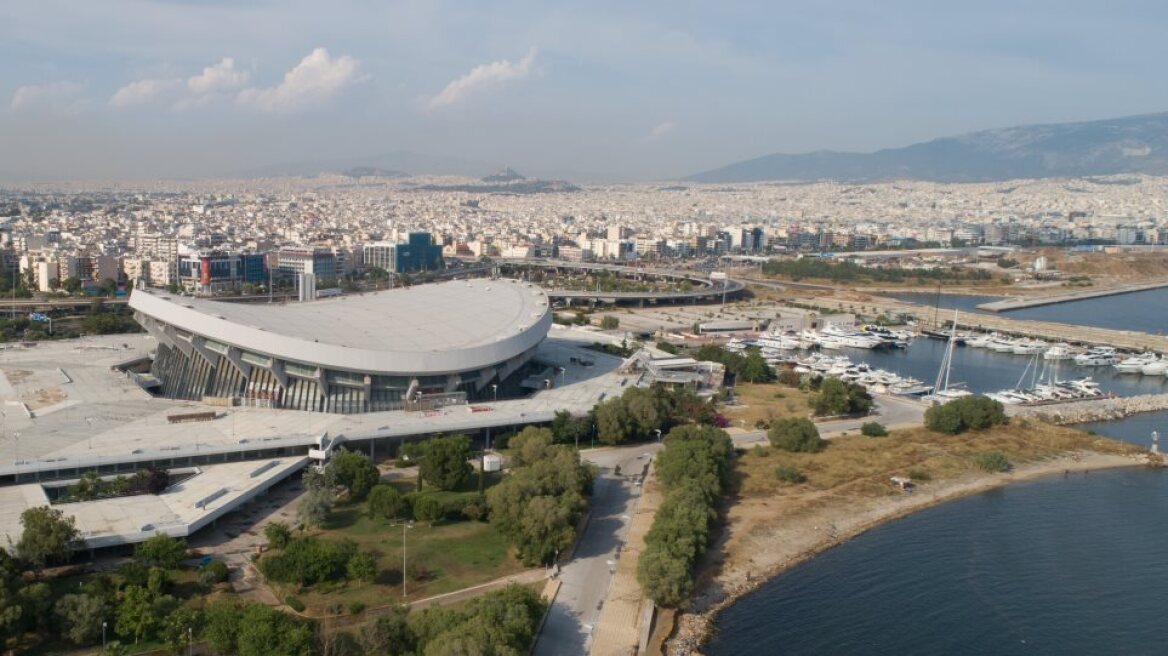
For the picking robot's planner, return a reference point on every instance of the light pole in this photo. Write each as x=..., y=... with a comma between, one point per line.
x=658, y=431
x=405, y=577
x=190, y=641
x=495, y=389
x=103, y=624
x=563, y=374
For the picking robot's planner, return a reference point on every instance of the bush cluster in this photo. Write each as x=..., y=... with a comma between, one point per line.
x=836, y=398
x=639, y=413
x=751, y=366
x=692, y=470
x=310, y=560
x=992, y=461
x=789, y=474
x=795, y=434
x=873, y=429
x=975, y=412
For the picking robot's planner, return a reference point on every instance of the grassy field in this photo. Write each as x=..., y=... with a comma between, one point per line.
x=861, y=466
x=766, y=402
x=454, y=555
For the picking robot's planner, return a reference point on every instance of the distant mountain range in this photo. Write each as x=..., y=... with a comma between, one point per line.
x=402, y=162
x=1133, y=144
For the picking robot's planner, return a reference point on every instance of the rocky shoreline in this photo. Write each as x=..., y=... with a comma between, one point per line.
x=1079, y=412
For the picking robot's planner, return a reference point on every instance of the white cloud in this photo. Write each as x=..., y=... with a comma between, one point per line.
x=317, y=77
x=483, y=76
x=61, y=97
x=658, y=131
x=219, y=77
x=140, y=92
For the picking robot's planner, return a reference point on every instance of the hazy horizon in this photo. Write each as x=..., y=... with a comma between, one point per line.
x=138, y=89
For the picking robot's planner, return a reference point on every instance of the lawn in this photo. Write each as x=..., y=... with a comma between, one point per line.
x=766, y=403
x=452, y=555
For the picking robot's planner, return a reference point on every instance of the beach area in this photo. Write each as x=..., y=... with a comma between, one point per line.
x=767, y=534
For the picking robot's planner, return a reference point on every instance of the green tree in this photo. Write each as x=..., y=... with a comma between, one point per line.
x=278, y=534
x=315, y=506
x=832, y=399
x=354, y=472
x=873, y=429
x=72, y=285
x=79, y=617
x=664, y=578
x=530, y=445
x=445, y=465
x=387, y=503
x=613, y=423
x=220, y=625
x=361, y=567
x=264, y=631
x=427, y=508
x=755, y=368
x=609, y=322
x=797, y=434
x=537, y=505
x=161, y=550
x=973, y=412
x=389, y=634
x=179, y=627
x=47, y=535
x=135, y=614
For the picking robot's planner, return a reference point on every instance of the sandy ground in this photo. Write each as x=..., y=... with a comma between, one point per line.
x=756, y=548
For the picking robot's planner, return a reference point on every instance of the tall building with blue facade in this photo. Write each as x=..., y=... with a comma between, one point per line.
x=418, y=253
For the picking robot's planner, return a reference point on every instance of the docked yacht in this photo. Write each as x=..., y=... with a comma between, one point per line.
x=1099, y=356
x=1058, y=352
x=836, y=337
x=1135, y=364
x=1028, y=347
x=1155, y=368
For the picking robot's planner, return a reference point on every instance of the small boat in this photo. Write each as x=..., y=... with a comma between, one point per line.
x=1135, y=364
x=1058, y=352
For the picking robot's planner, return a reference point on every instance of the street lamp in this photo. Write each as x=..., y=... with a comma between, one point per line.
x=103, y=624
x=658, y=431
x=405, y=577
x=190, y=641
x=563, y=373
x=495, y=389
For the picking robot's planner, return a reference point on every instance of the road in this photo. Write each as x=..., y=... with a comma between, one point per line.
x=586, y=578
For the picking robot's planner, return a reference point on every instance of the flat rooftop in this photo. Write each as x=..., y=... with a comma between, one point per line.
x=64, y=408
x=457, y=314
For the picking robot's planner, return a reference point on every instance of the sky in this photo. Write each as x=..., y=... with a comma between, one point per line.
x=644, y=90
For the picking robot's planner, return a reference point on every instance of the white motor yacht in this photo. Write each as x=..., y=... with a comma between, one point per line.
x=1098, y=356
x=1028, y=347
x=1156, y=368
x=1135, y=364
x=1058, y=352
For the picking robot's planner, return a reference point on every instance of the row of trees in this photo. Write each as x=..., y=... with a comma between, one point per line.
x=843, y=272
x=538, y=505
x=751, y=366
x=308, y=560
x=499, y=622
x=692, y=470
x=137, y=605
x=640, y=412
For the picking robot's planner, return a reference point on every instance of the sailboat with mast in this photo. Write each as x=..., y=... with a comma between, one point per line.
x=943, y=390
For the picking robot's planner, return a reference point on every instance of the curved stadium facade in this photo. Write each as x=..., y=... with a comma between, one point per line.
x=427, y=344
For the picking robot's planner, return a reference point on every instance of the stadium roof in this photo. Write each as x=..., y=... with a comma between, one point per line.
x=464, y=316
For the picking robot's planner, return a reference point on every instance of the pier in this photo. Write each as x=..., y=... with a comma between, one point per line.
x=1008, y=304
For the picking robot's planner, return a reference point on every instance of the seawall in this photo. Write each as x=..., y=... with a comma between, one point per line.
x=1078, y=412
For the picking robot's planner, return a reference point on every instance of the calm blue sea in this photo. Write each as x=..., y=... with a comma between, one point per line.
x=1140, y=311
x=1057, y=566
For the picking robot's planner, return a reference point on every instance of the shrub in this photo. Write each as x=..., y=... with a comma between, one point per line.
x=387, y=503
x=966, y=413
x=760, y=451
x=919, y=475
x=789, y=474
x=790, y=378
x=992, y=461
x=278, y=534
x=795, y=434
x=294, y=603
x=213, y=572
x=356, y=607
x=873, y=429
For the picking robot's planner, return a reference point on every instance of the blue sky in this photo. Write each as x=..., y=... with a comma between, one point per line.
x=640, y=90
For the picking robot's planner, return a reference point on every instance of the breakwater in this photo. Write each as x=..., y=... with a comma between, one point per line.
x=1079, y=412
x=1008, y=304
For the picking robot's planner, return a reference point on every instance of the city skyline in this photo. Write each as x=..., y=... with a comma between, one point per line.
x=178, y=89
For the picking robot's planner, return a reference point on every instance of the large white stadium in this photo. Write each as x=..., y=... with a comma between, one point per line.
x=425, y=345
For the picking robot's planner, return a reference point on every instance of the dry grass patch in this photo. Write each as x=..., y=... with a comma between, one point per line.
x=766, y=402
x=861, y=466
